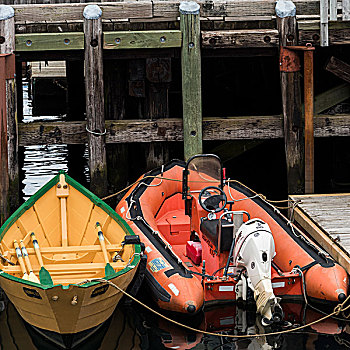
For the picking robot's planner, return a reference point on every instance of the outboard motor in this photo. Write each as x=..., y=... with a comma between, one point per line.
x=254, y=251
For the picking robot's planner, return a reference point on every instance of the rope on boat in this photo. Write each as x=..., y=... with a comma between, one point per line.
x=336, y=311
x=177, y=180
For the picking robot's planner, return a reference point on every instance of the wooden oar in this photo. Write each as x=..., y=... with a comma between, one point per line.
x=44, y=275
x=108, y=268
x=31, y=276
x=20, y=260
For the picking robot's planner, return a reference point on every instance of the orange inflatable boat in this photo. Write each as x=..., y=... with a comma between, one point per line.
x=196, y=227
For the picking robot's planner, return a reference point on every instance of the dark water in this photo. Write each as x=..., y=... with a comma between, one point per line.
x=133, y=327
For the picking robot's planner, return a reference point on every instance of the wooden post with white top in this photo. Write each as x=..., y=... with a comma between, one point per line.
x=291, y=97
x=191, y=78
x=95, y=125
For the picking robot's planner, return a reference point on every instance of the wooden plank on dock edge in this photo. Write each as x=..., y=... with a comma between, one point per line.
x=321, y=237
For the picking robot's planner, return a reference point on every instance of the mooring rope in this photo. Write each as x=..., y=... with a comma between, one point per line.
x=177, y=180
x=336, y=311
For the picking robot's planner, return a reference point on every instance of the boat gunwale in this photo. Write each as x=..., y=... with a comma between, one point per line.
x=98, y=202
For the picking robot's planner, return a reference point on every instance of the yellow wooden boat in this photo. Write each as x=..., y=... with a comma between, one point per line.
x=61, y=237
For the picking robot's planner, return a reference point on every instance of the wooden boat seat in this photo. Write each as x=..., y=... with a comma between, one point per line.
x=73, y=249
x=210, y=228
x=66, y=268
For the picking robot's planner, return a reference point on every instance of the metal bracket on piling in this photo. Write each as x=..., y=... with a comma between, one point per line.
x=289, y=57
x=289, y=60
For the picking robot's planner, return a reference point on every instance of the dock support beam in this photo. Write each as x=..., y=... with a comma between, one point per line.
x=191, y=78
x=9, y=180
x=94, y=90
x=158, y=74
x=115, y=80
x=309, y=119
x=291, y=99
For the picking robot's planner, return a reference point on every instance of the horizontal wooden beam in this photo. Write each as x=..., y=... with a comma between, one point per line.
x=338, y=32
x=339, y=68
x=150, y=39
x=49, y=41
x=126, y=131
x=74, y=12
x=157, y=10
x=331, y=97
x=240, y=38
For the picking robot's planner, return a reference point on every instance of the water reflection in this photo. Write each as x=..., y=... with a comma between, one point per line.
x=133, y=328
x=41, y=162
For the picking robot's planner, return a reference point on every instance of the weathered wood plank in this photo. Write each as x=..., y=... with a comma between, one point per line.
x=339, y=36
x=191, y=78
x=151, y=39
x=331, y=97
x=49, y=41
x=324, y=240
x=94, y=91
x=306, y=25
x=339, y=68
x=73, y=12
x=240, y=38
x=321, y=214
x=233, y=8
x=120, y=131
x=346, y=10
x=9, y=178
x=158, y=78
x=326, y=126
x=164, y=10
x=333, y=10
x=308, y=119
x=291, y=100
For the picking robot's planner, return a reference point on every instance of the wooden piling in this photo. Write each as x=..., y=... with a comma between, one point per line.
x=309, y=120
x=115, y=80
x=191, y=78
x=94, y=90
x=75, y=112
x=9, y=179
x=158, y=74
x=291, y=100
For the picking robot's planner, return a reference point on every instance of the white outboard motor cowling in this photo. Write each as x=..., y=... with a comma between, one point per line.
x=254, y=251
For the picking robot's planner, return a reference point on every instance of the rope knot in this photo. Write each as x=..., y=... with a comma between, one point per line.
x=338, y=309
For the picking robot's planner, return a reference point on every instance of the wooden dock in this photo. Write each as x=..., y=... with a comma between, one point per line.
x=326, y=217
x=134, y=75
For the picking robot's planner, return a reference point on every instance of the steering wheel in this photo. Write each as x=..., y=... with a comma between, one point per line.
x=212, y=199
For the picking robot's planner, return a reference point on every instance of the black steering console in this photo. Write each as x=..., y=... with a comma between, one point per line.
x=212, y=199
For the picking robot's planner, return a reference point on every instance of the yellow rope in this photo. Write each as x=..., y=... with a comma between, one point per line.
x=176, y=180
x=339, y=308
x=138, y=181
